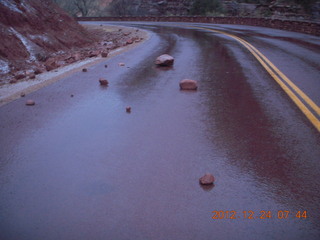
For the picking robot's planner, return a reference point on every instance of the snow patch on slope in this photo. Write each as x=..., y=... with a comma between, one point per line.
x=25, y=42
x=41, y=37
x=4, y=67
x=9, y=4
x=28, y=7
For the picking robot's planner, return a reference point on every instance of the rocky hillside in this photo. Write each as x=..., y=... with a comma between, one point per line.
x=288, y=9
x=280, y=9
x=32, y=30
x=38, y=36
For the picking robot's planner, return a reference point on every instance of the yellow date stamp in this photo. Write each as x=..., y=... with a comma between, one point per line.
x=280, y=214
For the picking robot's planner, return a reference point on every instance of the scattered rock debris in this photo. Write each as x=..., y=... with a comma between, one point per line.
x=128, y=109
x=84, y=70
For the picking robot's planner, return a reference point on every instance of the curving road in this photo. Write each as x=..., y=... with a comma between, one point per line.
x=82, y=168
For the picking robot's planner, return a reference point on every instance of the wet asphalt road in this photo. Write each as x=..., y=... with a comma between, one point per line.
x=82, y=168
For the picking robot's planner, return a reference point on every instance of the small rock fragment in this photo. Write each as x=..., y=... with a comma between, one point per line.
x=71, y=95
x=13, y=81
x=106, y=66
x=188, y=84
x=104, y=54
x=22, y=94
x=69, y=59
x=38, y=70
x=128, y=109
x=77, y=56
x=20, y=75
x=84, y=70
x=129, y=41
x=32, y=75
x=121, y=64
x=51, y=64
x=30, y=102
x=93, y=53
x=207, y=179
x=103, y=82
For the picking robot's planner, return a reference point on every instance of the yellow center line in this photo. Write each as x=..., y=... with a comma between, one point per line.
x=272, y=71
x=285, y=78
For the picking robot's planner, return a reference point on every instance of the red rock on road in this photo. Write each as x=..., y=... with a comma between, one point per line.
x=164, y=60
x=207, y=179
x=188, y=84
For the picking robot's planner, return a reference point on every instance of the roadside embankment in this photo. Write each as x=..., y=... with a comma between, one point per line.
x=113, y=41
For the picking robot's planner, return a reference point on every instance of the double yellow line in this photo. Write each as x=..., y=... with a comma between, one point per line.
x=294, y=93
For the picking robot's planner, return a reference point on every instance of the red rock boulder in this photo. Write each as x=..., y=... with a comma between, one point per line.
x=103, y=82
x=30, y=102
x=129, y=41
x=164, y=60
x=188, y=84
x=20, y=75
x=207, y=179
x=104, y=54
x=51, y=64
x=93, y=53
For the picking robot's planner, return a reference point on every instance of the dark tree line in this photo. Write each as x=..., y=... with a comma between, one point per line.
x=82, y=6
x=121, y=7
x=202, y=7
x=76, y=6
x=132, y=7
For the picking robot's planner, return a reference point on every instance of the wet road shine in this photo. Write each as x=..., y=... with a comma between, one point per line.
x=82, y=168
x=283, y=81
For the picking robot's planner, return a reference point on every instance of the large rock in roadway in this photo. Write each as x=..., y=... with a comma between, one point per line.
x=188, y=84
x=164, y=60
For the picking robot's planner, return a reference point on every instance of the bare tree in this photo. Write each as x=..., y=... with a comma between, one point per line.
x=82, y=6
x=120, y=7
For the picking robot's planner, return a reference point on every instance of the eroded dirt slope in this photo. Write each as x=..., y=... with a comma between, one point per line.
x=38, y=36
x=31, y=30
